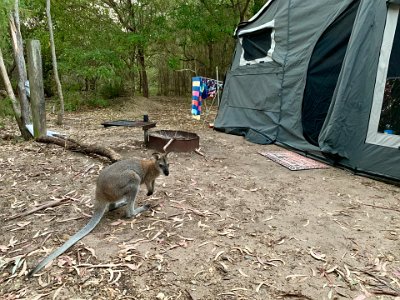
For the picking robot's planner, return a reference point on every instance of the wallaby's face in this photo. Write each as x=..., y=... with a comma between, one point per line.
x=162, y=163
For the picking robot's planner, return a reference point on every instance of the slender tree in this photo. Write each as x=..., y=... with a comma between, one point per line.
x=10, y=92
x=55, y=68
x=18, y=50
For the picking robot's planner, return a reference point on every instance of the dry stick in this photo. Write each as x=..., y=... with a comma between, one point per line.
x=384, y=282
x=46, y=205
x=189, y=294
x=198, y=152
x=381, y=207
x=148, y=270
x=296, y=295
x=167, y=144
x=45, y=239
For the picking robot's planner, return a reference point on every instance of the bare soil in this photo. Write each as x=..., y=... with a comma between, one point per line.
x=229, y=225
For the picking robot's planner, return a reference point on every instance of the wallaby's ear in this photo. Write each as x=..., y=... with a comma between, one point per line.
x=167, y=154
x=156, y=155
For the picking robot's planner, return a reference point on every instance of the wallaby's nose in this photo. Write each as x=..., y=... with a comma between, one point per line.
x=166, y=172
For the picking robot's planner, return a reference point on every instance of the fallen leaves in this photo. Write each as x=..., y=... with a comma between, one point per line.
x=241, y=232
x=316, y=255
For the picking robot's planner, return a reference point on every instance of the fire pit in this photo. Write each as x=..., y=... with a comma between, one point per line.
x=173, y=141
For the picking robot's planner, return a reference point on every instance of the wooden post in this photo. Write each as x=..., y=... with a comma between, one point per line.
x=35, y=75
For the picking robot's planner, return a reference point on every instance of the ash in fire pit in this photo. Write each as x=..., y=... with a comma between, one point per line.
x=173, y=141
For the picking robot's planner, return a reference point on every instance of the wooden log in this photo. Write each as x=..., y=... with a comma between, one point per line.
x=35, y=75
x=72, y=145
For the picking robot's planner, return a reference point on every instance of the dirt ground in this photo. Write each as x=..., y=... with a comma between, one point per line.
x=230, y=225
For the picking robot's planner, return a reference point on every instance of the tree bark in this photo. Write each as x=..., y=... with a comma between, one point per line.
x=211, y=60
x=9, y=89
x=38, y=106
x=60, y=117
x=143, y=73
x=18, y=50
x=15, y=104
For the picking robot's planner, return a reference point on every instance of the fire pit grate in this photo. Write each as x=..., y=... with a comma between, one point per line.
x=173, y=141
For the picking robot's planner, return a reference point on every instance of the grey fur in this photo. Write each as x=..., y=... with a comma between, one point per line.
x=116, y=186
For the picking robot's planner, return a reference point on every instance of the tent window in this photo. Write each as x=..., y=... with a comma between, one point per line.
x=390, y=113
x=384, y=125
x=257, y=44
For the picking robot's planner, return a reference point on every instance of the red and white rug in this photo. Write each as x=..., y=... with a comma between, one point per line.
x=293, y=161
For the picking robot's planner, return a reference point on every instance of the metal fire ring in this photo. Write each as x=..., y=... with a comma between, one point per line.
x=179, y=141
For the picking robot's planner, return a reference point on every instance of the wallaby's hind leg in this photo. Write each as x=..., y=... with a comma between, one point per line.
x=132, y=192
x=131, y=211
x=118, y=204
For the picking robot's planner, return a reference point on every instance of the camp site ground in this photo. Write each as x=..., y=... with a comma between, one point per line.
x=230, y=225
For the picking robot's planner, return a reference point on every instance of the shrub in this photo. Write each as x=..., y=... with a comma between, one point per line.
x=6, y=109
x=74, y=101
x=112, y=90
x=97, y=102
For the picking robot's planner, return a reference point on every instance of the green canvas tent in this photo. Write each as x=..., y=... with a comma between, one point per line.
x=322, y=77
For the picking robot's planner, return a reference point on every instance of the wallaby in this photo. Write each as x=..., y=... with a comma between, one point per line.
x=117, y=185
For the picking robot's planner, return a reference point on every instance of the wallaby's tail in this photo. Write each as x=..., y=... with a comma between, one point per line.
x=98, y=214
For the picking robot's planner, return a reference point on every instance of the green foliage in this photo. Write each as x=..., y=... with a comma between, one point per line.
x=97, y=102
x=74, y=101
x=6, y=109
x=258, y=4
x=173, y=63
x=99, y=45
x=112, y=90
x=5, y=8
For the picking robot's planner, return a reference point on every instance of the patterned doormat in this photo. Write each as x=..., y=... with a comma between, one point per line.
x=293, y=161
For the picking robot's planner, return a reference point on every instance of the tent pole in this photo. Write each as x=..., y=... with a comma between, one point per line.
x=217, y=85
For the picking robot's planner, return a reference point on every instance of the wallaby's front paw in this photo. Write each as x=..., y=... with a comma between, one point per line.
x=149, y=193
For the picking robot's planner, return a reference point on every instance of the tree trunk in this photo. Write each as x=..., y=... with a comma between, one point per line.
x=55, y=68
x=36, y=86
x=143, y=73
x=16, y=106
x=132, y=72
x=211, y=59
x=21, y=69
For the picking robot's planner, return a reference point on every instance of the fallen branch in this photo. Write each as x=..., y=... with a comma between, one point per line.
x=396, y=292
x=167, y=144
x=295, y=295
x=35, y=209
x=199, y=152
x=72, y=145
x=381, y=207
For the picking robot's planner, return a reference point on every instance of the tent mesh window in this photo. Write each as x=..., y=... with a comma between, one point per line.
x=256, y=44
x=390, y=115
x=323, y=72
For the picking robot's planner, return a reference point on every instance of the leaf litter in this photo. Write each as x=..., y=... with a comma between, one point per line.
x=231, y=226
